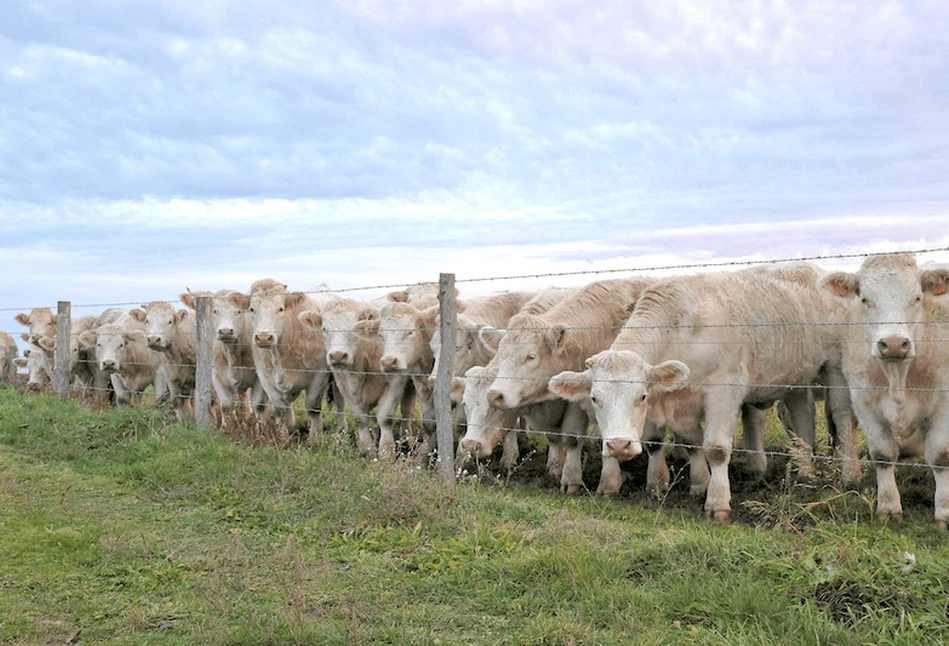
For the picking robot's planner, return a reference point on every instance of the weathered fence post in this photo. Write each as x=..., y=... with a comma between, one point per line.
x=61, y=367
x=205, y=353
x=446, y=364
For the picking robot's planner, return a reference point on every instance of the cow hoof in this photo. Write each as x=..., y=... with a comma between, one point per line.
x=942, y=525
x=720, y=515
x=607, y=492
x=896, y=516
x=570, y=490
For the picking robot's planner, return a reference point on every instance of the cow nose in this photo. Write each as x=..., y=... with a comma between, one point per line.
x=264, y=339
x=153, y=339
x=338, y=357
x=33, y=385
x=473, y=447
x=389, y=363
x=894, y=347
x=623, y=449
x=225, y=333
x=108, y=365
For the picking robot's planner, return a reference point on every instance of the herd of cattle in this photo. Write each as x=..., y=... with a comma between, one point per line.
x=625, y=360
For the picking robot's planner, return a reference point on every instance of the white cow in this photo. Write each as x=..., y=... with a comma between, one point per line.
x=234, y=373
x=173, y=335
x=290, y=358
x=701, y=346
x=564, y=423
x=353, y=352
x=38, y=365
x=897, y=364
x=41, y=321
x=538, y=347
x=123, y=353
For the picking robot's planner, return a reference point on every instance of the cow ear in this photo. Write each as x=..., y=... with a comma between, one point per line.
x=137, y=314
x=239, y=300
x=841, y=284
x=87, y=339
x=457, y=390
x=368, y=314
x=555, y=338
x=47, y=343
x=490, y=337
x=668, y=376
x=135, y=335
x=428, y=318
x=187, y=298
x=572, y=386
x=22, y=318
x=20, y=362
x=366, y=329
x=181, y=315
x=311, y=318
x=400, y=296
x=25, y=336
x=935, y=282
x=293, y=299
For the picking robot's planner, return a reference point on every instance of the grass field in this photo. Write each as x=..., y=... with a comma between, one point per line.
x=120, y=527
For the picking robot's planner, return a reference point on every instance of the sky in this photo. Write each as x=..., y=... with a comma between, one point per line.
x=149, y=147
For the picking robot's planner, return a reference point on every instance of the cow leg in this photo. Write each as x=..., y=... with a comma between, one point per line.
x=657, y=471
x=556, y=456
x=840, y=406
x=753, y=421
x=258, y=399
x=426, y=399
x=722, y=406
x=122, y=395
x=937, y=455
x=385, y=415
x=801, y=411
x=573, y=426
x=511, y=451
x=611, y=478
x=365, y=442
x=315, y=392
x=885, y=448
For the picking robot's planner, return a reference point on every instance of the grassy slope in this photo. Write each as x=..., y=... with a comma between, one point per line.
x=135, y=530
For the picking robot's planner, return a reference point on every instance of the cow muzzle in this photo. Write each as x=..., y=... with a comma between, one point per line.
x=108, y=366
x=622, y=450
x=226, y=335
x=389, y=364
x=895, y=348
x=265, y=339
x=475, y=448
x=338, y=358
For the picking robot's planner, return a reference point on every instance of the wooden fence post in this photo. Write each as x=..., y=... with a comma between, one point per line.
x=8, y=373
x=447, y=309
x=61, y=364
x=204, y=359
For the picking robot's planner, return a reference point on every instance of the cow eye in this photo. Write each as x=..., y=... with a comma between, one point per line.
x=865, y=301
x=252, y=309
x=279, y=310
x=594, y=400
x=531, y=356
x=643, y=398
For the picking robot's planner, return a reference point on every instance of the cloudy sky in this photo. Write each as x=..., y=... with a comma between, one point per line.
x=145, y=147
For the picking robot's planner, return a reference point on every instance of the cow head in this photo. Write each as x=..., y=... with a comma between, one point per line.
x=346, y=324
x=529, y=353
x=618, y=386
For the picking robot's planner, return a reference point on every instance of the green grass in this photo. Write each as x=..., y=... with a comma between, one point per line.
x=132, y=529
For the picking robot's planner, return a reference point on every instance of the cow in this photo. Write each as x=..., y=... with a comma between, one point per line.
x=564, y=423
x=173, y=335
x=85, y=367
x=541, y=346
x=41, y=321
x=289, y=357
x=233, y=373
x=122, y=353
x=488, y=427
x=699, y=347
x=354, y=352
x=38, y=365
x=895, y=362
x=8, y=352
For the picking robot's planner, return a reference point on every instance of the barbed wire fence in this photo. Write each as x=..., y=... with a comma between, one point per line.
x=204, y=364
